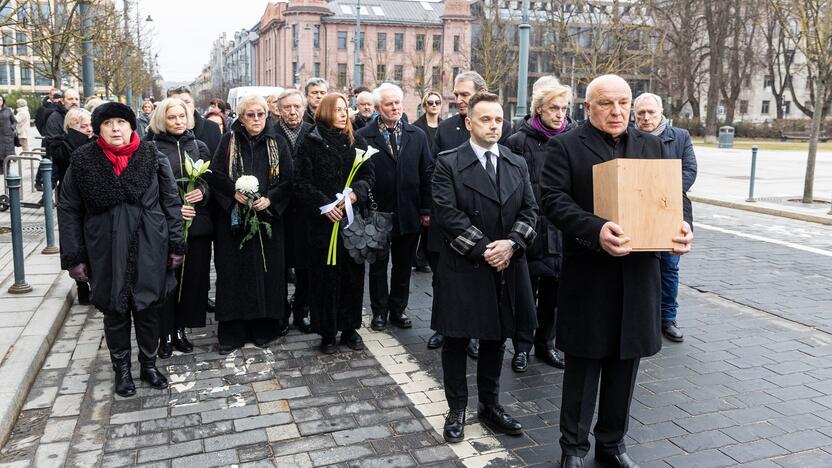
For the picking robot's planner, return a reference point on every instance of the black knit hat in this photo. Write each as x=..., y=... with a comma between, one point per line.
x=111, y=110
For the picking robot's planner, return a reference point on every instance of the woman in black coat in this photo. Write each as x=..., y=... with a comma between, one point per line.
x=7, y=127
x=121, y=230
x=548, y=119
x=168, y=128
x=251, y=281
x=324, y=161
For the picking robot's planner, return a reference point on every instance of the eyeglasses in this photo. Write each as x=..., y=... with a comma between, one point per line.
x=433, y=103
x=253, y=115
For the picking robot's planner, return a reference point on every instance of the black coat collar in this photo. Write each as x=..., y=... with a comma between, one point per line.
x=373, y=135
x=592, y=138
x=475, y=177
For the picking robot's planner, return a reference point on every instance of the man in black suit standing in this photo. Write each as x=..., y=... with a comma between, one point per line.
x=402, y=187
x=484, y=206
x=451, y=133
x=609, y=301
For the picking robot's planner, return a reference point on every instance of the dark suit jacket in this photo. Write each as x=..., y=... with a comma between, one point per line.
x=470, y=213
x=608, y=307
x=452, y=133
x=402, y=185
x=207, y=132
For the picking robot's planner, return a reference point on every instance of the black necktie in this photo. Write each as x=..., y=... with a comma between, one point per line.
x=489, y=168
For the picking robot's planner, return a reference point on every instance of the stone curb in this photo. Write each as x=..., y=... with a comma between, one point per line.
x=747, y=206
x=24, y=360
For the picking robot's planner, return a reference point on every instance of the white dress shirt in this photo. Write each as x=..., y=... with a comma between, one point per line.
x=480, y=152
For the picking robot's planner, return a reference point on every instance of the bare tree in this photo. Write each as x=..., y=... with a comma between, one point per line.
x=778, y=56
x=809, y=25
x=491, y=55
x=718, y=22
x=745, y=19
x=52, y=34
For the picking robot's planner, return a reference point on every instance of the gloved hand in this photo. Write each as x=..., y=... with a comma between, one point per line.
x=175, y=261
x=79, y=273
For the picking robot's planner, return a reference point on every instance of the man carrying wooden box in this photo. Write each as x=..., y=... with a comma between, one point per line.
x=609, y=297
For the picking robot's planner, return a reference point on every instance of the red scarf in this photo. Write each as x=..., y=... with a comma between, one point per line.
x=120, y=156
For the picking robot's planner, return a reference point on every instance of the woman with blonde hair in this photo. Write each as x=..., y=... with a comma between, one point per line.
x=324, y=161
x=429, y=121
x=251, y=274
x=549, y=108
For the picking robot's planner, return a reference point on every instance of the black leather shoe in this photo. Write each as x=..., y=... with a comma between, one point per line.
x=225, y=350
x=473, y=348
x=551, y=357
x=613, y=460
x=496, y=418
x=165, y=347
x=124, y=385
x=303, y=324
x=520, y=362
x=327, y=346
x=672, y=332
x=571, y=461
x=181, y=342
x=210, y=306
x=454, y=426
x=283, y=330
x=400, y=320
x=263, y=344
x=352, y=340
x=152, y=376
x=435, y=341
x=379, y=322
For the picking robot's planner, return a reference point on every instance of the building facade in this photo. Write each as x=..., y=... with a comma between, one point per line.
x=417, y=45
x=239, y=59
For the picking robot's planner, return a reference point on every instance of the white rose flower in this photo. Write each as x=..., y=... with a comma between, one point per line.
x=247, y=184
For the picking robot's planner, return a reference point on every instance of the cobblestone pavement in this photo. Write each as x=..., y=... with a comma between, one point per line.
x=751, y=384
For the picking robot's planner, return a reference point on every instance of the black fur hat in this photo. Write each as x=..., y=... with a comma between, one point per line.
x=110, y=110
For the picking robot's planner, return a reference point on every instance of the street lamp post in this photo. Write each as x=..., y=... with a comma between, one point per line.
x=297, y=49
x=356, y=75
x=129, y=93
x=87, y=67
x=523, y=71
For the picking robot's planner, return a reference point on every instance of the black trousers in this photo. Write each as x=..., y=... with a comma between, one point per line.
x=117, y=333
x=489, y=367
x=421, y=259
x=394, y=299
x=300, y=299
x=237, y=332
x=580, y=388
x=545, y=289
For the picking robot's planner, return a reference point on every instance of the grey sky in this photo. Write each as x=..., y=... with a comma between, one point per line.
x=183, y=30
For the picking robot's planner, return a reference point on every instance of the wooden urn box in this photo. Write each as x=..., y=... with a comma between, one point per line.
x=644, y=197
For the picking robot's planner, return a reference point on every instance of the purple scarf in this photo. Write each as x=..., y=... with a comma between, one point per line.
x=538, y=125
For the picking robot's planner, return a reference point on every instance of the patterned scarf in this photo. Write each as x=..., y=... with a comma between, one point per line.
x=292, y=133
x=397, y=132
x=235, y=159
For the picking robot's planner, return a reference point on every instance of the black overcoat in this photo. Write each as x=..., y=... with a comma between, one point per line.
x=470, y=214
x=244, y=290
x=207, y=132
x=297, y=246
x=402, y=185
x=122, y=227
x=608, y=307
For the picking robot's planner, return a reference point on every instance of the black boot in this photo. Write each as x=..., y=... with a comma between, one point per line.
x=181, y=342
x=83, y=293
x=166, y=347
x=454, y=430
x=379, y=322
x=124, y=385
x=152, y=376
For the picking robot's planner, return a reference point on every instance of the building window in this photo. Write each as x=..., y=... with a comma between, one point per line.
x=342, y=75
x=381, y=41
x=437, y=42
x=11, y=73
x=398, y=41
x=456, y=43
x=8, y=39
x=4, y=74
x=767, y=81
x=743, y=107
x=420, y=42
x=787, y=107
x=21, y=44
x=398, y=73
x=764, y=109
x=381, y=72
x=435, y=76
x=26, y=76
x=295, y=32
x=360, y=76
x=342, y=39
x=316, y=69
x=316, y=37
x=361, y=41
x=419, y=76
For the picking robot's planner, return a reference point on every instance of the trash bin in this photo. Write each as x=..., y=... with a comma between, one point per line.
x=726, y=137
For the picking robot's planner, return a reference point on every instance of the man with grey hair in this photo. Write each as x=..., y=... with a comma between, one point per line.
x=365, y=108
x=677, y=143
x=608, y=297
x=402, y=187
x=450, y=134
x=315, y=90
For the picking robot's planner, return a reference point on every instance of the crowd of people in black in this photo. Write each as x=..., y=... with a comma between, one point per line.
x=501, y=216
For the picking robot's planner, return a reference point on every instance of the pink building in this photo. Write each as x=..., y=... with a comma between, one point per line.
x=418, y=45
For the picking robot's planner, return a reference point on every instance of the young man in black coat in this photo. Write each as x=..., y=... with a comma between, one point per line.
x=451, y=133
x=484, y=206
x=402, y=187
x=205, y=130
x=608, y=301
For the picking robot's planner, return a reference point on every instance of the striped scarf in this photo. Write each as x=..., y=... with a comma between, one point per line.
x=235, y=159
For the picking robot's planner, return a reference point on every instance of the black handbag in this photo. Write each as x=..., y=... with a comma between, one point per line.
x=368, y=237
